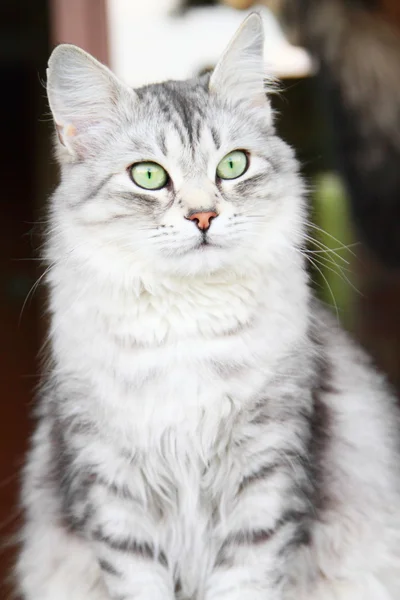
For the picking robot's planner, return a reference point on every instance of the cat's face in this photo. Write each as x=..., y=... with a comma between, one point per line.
x=181, y=177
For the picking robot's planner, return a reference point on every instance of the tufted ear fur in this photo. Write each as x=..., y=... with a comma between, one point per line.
x=240, y=73
x=83, y=96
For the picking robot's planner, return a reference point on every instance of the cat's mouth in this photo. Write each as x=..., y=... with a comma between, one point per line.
x=202, y=244
x=205, y=242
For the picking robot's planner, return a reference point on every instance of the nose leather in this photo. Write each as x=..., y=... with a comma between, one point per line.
x=202, y=219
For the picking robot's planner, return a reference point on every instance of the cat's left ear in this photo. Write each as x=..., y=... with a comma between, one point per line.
x=240, y=73
x=84, y=97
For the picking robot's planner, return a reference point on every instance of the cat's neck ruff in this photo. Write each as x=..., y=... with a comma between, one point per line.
x=191, y=329
x=154, y=308
x=149, y=341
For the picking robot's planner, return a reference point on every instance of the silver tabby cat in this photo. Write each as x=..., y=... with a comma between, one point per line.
x=205, y=430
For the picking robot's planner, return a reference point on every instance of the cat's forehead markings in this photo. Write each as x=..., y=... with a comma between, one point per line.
x=181, y=110
x=161, y=140
x=182, y=105
x=216, y=138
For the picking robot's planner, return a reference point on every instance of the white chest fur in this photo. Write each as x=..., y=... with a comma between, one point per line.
x=181, y=354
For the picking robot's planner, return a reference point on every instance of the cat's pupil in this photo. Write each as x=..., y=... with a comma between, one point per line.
x=148, y=174
x=231, y=164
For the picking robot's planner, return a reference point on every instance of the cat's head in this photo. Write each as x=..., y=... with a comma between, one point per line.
x=180, y=178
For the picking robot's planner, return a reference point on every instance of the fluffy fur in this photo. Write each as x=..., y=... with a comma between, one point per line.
x=205, y=430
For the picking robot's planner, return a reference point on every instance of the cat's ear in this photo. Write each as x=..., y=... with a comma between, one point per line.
x=240, y=73
x=83, y=95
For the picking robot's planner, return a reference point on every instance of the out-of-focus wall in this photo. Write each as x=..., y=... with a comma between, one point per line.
x=25, y=179
x=81, y=22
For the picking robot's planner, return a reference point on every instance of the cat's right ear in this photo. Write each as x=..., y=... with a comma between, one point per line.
x=240, y=74
x=83, y=96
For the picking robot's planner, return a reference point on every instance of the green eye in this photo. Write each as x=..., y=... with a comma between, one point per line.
x=233, y=165
x=149, y=175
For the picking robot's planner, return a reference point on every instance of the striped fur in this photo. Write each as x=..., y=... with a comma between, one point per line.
x=205, y=430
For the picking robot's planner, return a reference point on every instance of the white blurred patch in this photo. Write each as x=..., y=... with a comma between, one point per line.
x=149, y=43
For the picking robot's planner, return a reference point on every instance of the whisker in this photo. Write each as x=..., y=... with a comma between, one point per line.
x=328, y=260
x=323, y=231
x=327, y=249
x=319, y=244
x=32, y=291
x=327, y=284
x=340, y=274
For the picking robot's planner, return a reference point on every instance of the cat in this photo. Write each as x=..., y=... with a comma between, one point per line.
x=205, y=429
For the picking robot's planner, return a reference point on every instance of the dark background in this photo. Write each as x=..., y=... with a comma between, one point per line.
x=24, y=182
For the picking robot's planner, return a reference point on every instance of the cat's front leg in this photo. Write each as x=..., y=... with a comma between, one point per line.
x=111, y=509
x=123, y=540
x=131, y=571
x=251, y=569
x=269, y=519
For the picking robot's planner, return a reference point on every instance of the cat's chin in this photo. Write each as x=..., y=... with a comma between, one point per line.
x=205, y=246
x=204, y=259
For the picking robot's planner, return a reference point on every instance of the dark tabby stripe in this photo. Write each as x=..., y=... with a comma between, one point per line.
x=216, y=138
x=114, y=489
x=178, y=586
x=147, y=202
x=262, y=473
x=108, y=568
x=142, y=549
x=257, y=536
x=250, y=184
x=198, y=126
x=162, y=142
x=95, y=191
x=260, y=536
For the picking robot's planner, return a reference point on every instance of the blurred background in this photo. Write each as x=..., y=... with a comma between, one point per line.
x=338, y=105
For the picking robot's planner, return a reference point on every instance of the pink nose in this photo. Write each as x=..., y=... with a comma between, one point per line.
x=203, y=219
